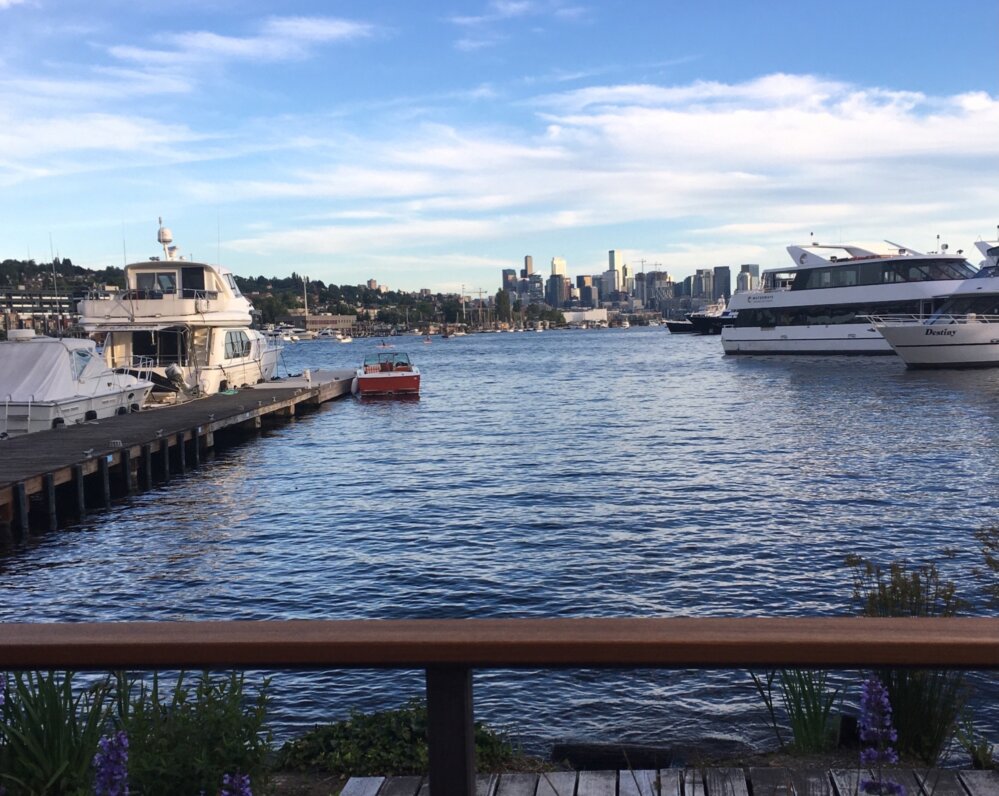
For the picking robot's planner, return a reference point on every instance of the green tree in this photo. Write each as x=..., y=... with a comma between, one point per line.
x=502, y=305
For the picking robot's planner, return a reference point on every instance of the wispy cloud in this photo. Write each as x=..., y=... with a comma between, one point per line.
x=10, y=3
x=486, y=29
x=279, y=39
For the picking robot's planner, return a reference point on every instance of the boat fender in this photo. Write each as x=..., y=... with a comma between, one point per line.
x=121, y=410
x=353, y=386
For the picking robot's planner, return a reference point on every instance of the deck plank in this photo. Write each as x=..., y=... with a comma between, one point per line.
x=401, y=786
x=557, y=783
x=641, y=782
x=772, y=782
x=940, y=782
x=846, y=781
x=725, y=782
x=517, y=784
x=981, y=783
x=597, y=783
x=362, y=786
x=670, y=782
x=485, y=784
x=693, y=782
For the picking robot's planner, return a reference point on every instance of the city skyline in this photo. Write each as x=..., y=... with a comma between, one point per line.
x=432, y=148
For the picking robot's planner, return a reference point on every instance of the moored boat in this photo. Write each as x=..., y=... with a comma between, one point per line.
x=188, y=319
x=47, y=382
x=963, y=333
x=391, y=373
x=822, y=303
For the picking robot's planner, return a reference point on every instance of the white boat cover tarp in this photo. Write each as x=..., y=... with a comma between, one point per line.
x=46, y=369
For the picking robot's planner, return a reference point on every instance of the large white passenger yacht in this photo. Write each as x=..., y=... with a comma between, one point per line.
x=189, y=319
x=821, y=304
x=963, y=333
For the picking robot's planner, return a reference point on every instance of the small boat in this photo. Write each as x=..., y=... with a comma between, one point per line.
x=711, y=319
x=387, y=374
x=680, y=327
x=383, y=344
x=47, y=382
x=427, y=340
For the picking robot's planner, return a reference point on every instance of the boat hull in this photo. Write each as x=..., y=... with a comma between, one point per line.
x=831, y=339
x=369, y=384
x=21, y=417
x=963, y=345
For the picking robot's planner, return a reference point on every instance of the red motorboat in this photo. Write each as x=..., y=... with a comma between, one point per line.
x=389, y=373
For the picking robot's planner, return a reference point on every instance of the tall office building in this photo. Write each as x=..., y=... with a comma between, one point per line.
x=610, y=282
x=703, y=283
x=557, y=290
x=723, y=283
x=754, y=274
x=559, y=267
x=584, y=280
x=528, y=269
x=510, y=279
x=614, y=261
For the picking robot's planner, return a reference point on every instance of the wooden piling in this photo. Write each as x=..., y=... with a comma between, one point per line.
x=22, y=524
x=147, y=466
x=127, y=473
x=165, y=456
x=81, y=494
x=181, y=454
x=104, y=470
x=50, y=501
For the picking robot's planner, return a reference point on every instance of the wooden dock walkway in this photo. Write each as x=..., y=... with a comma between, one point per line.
x=49, y=475
x=692, y=782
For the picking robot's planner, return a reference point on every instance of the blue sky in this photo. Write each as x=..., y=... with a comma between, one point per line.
x=431, y=145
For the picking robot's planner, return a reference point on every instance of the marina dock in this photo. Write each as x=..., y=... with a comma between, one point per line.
x=692, y=782
x=49, y=477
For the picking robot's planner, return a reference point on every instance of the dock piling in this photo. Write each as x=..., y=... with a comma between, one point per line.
x=165, y=455
x=104, y=469
x=22, y=527
x=81, y=495
x=147, y=466
x=181, y=454
x=50, y=501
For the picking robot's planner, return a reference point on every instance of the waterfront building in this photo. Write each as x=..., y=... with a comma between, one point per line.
x=722, y=283
x=585, y=316
x=528, y=268
x=558, y=266
x=316, y=322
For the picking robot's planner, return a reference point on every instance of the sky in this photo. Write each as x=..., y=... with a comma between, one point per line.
x=433, y=144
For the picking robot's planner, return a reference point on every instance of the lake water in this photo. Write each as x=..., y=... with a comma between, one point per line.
x=599, y=473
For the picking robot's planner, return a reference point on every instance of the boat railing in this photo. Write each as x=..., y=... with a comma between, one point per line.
x=448, y=650
x=903, y=319
x=136, y=365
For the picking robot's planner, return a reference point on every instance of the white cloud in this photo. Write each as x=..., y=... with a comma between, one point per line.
x=10, y=3
x=279, y=39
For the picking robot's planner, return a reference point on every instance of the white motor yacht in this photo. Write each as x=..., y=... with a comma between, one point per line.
x=189, y=319
x=822, y=304
x=47, y=382
x=963, y=333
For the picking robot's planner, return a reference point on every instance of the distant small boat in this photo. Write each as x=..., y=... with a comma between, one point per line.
x=383, y=344
x=427, y=339
x=387, y=374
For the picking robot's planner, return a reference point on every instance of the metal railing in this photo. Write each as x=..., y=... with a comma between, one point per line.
x=903, y=319
x=449, y=650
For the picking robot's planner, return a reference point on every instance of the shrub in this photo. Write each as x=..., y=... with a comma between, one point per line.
x=927, y=704
x=388, y=743
x=48, y=733
x=189, y=742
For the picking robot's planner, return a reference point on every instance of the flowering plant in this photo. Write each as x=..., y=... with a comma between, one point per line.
x=878, y=736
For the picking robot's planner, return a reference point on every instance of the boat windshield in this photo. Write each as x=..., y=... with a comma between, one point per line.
x=392, y=358
x=987, y=304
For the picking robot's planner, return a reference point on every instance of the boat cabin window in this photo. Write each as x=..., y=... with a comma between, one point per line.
x=81, y=358
x=149, y=283
x=963, y=305
x=232, y=285
x=237, y=345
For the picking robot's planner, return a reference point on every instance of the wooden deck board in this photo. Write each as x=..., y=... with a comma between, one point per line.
x=363, y=786
x=940, y=782
x=517, y=784
x=596, y=783
x=693, y=782
x=981, y=783
x=725, y=782
x=485, y=784
x=557, y=783
x=638, y=783
x=670, y=782
x=401, y=786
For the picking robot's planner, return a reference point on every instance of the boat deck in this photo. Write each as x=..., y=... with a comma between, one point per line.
x=36, y=468
x=692, y=782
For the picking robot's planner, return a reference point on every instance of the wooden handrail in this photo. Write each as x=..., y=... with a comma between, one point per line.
x=843, y=642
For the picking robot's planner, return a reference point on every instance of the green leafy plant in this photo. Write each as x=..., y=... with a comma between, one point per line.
x=927, y=704
x=49, y=733
x=187, y=741
x=808, y=703
x=391, y=742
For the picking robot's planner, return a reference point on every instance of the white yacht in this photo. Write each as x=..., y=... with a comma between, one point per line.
x=822, y=304
x=963, y=333
x=47, y=382
x=189, y=319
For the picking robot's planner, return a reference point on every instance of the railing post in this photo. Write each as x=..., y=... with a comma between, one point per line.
x=450, y=732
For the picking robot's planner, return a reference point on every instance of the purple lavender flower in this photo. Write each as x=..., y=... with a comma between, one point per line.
x=877, y=732
x=111, y=766
x=236, y=785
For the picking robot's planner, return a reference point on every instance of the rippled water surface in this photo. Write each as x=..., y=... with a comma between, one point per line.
x=600, y=473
